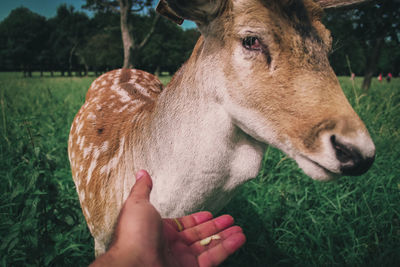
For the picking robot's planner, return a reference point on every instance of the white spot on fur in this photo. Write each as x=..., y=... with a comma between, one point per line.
x=79, y=128
x=115, y=160
x=123, y=108
x=82, y=195
x=96, y=153
x=123, y=95
x=91, y=116
x=90, y=171
x=142, y=90
x=82, y=143
x=87, y=150
x=93, y=164
x=104, y=146
x=103, y=169
x=70, y=138
x=84, y=106
x=87, y=212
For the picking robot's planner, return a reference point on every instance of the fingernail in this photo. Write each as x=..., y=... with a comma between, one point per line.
x=224, y=221
x=140, y=174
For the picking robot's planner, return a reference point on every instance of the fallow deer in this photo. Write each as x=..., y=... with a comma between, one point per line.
x=258, y=76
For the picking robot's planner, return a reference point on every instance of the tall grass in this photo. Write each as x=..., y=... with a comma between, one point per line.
x=41, y=222
x=289, y=219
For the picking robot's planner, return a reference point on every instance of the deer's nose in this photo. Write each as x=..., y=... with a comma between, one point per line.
x=352, y=162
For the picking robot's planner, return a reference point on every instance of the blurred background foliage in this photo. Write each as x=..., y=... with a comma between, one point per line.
x=72, y=42
x=367, y=37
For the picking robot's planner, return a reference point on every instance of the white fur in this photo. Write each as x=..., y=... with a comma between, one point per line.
x=87, y=150
x=195, y=152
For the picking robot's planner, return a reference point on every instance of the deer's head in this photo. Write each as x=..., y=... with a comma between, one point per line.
x=270, y=71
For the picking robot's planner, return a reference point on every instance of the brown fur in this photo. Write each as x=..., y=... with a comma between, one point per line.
x=100, y=123
x=301, y=81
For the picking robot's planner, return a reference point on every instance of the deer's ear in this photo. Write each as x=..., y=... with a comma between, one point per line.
x=200, y=11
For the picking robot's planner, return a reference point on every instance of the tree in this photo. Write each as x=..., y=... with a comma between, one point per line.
x=367, y=31
x=103, y=49
x=377, y=32
x=126, y=8
x=23, y=33
x=168, y=47
x=70, y=30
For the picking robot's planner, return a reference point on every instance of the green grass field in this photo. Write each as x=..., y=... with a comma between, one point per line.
x=289, y=220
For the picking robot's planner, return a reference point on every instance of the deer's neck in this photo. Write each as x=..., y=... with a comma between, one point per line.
x=197, y=156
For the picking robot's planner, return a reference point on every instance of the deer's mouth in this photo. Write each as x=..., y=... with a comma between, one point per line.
x=315, y=170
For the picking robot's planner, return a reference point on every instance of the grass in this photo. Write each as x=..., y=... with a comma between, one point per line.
x=289, y=220
x=41, y=223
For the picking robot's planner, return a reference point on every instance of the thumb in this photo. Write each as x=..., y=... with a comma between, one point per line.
x=142, y=187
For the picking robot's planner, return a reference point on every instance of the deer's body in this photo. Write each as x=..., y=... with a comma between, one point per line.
x=206, y=132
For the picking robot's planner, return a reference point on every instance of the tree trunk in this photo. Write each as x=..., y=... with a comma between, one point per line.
x=372, y=62
x=71, y=54
x=86, y=70
x=127, y=38
x=130, y=47
x=158, y=71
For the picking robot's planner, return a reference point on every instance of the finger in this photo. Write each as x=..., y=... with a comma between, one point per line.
x=207, y=229
x=142, y=187
x=190, y=220
x=198, y=248
x=217, y=254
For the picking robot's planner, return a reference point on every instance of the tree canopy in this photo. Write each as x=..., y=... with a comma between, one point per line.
x=126, y=9
x=22, y=34
x=367, y=36
x=71, y=41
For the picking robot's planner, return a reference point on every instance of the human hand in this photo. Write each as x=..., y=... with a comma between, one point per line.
x=142, y=238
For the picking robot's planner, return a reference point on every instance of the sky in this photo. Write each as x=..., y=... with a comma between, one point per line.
x=48, y=8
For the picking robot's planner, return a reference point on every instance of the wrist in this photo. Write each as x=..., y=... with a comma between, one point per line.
x=121, y=258
x=114, y=257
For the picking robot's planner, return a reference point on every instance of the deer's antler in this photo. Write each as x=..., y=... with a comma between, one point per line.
x=338, y=3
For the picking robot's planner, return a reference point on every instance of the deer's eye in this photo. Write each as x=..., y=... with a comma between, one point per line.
x=252, y=43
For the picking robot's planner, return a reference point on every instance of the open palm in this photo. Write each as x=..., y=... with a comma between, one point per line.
x=185, y=247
